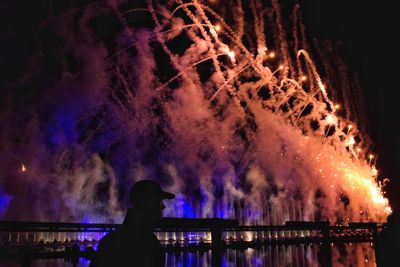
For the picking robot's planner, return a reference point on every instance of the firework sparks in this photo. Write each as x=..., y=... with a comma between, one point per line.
x=225, y=110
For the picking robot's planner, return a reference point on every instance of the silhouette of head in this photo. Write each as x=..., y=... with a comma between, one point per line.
x=146, y=197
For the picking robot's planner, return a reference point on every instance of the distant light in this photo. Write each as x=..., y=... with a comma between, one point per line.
x=23, y=168
x=272, y=55
x=281, y=67
x=304, y=78
x=371, y=156
x=218, y=28
x=337, y=106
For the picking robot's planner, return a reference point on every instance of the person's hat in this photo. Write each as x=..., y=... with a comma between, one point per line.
x=148, y=189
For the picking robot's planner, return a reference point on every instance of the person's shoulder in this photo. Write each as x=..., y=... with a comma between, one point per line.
x=109, y=239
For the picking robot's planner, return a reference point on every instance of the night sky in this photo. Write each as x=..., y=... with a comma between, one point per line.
x=367, y=31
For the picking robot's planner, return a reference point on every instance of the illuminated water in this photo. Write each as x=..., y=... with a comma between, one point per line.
x=301, y=255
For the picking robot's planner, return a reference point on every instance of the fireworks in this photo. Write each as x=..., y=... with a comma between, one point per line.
x=226, y=110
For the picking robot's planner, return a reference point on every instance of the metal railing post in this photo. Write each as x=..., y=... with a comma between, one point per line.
x=326, y=244
x=216, y=244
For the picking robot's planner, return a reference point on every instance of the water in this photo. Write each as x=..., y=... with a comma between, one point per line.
x=292, y=255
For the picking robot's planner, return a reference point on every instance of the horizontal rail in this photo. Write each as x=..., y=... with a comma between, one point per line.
x=166, y=224
x=177, y=225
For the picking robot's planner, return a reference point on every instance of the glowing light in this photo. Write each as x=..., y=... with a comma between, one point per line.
x=370, y=158
x=377, y=196
x=350, y=141
x=369, y=187
x=281, y=67
x=330, y=119
x=23, y=167
x=231, y=55
x=374, y=171
x=218, y=28
x=303, y=78
x=272, y=55
x=249, y=236
x=388, y=210
x=349, y=128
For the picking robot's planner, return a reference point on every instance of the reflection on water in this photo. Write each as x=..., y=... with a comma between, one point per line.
x=272, y=256
x=50, y=263
x=195, y=259
x=268, y=256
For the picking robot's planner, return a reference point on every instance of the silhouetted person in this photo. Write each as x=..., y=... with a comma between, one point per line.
x=25, y=254
x=387, y=245
x=134, y=243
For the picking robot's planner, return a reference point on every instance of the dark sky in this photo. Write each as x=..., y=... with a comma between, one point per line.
x=367, y=30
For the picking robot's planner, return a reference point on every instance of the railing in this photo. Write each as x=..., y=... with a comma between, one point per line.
x=223, y=234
